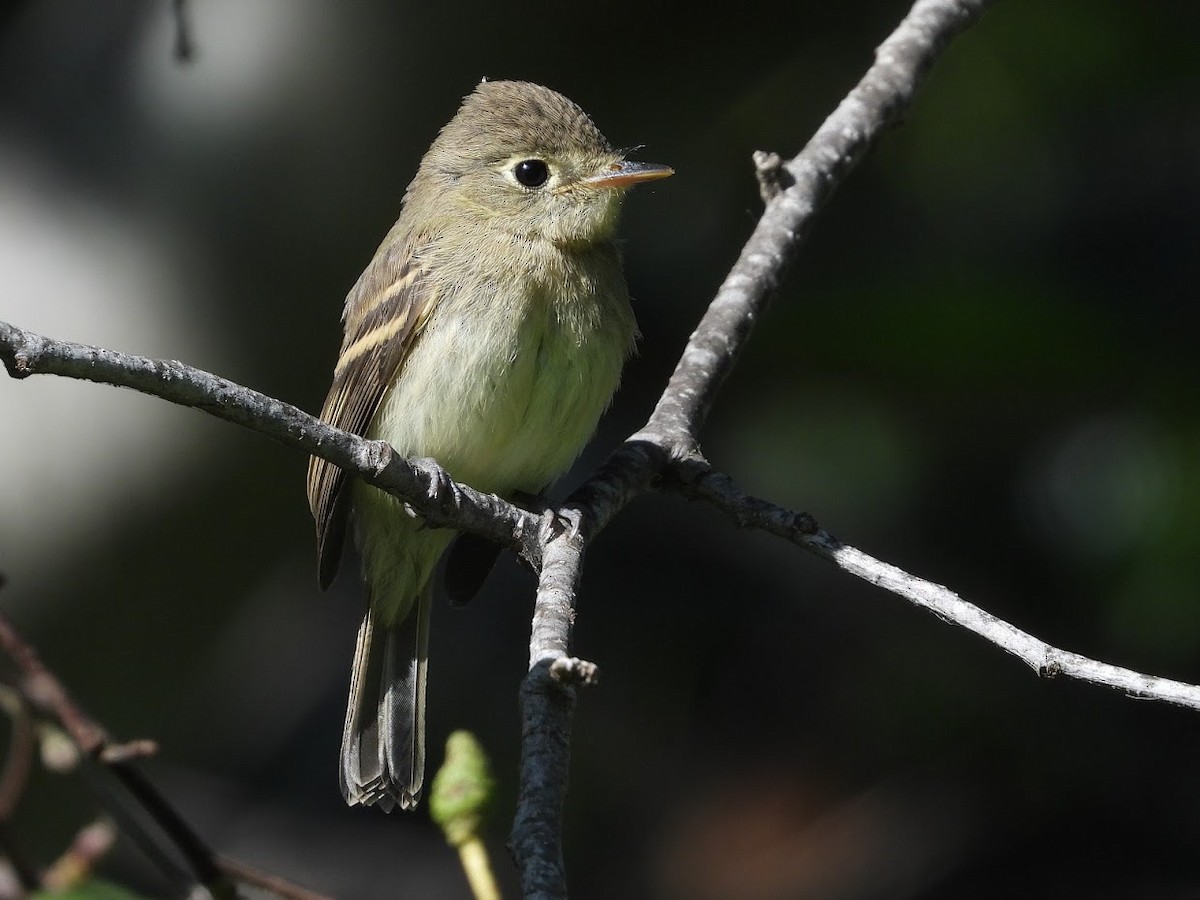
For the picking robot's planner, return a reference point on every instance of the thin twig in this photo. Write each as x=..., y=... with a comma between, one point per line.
x=280, y=887
x=476, y=865
x=1048, y=661
x=199, y=855
x=22, y=745
x=43, y=690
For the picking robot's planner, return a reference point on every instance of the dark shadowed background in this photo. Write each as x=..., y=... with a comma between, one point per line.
x=984, y=368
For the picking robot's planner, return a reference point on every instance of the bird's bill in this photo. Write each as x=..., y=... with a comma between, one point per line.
x=625, y=174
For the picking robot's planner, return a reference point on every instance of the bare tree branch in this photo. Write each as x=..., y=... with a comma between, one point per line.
x=423, y=483
x=547, y=705
x=267, y=881
x=554, y=605
x=795, y=192
x=875, y=104
x=665, y=449
x=1048, y=661
x=41, y=688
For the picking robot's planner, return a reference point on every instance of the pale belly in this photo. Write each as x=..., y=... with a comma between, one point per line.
x=503, y=403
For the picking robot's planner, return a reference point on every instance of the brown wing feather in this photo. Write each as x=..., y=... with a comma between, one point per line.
x=384, y=313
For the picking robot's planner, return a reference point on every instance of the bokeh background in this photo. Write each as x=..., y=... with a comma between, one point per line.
x=984, y=368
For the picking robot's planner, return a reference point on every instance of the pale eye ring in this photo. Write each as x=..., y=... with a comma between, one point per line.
x=531, y=173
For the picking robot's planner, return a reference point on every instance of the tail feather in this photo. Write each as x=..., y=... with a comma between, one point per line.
x=361, y=760
x=383, y=742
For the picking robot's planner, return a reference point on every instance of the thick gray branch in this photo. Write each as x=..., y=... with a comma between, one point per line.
x=554, y=606
x=875, y=104
x=547, y=704
x=422, y=483
x=671, y=432
x=796, y=191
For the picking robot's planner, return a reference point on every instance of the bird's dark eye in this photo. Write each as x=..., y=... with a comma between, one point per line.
x=531, y=172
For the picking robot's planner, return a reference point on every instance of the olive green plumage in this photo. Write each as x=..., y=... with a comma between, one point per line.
x=488, y=332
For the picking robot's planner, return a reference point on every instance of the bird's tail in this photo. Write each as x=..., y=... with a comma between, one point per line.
x=383, y=742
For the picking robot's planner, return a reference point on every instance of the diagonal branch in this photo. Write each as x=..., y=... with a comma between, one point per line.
x=422, y=483
x=42, y=690
x=1048, y=661
x=876, y=103
x=670, y=436
x=795, y=191
x=668, y=444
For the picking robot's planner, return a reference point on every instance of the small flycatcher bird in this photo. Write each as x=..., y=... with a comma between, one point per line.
x=488, y=332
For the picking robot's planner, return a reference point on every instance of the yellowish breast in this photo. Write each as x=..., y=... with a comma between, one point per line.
x=504, y=387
